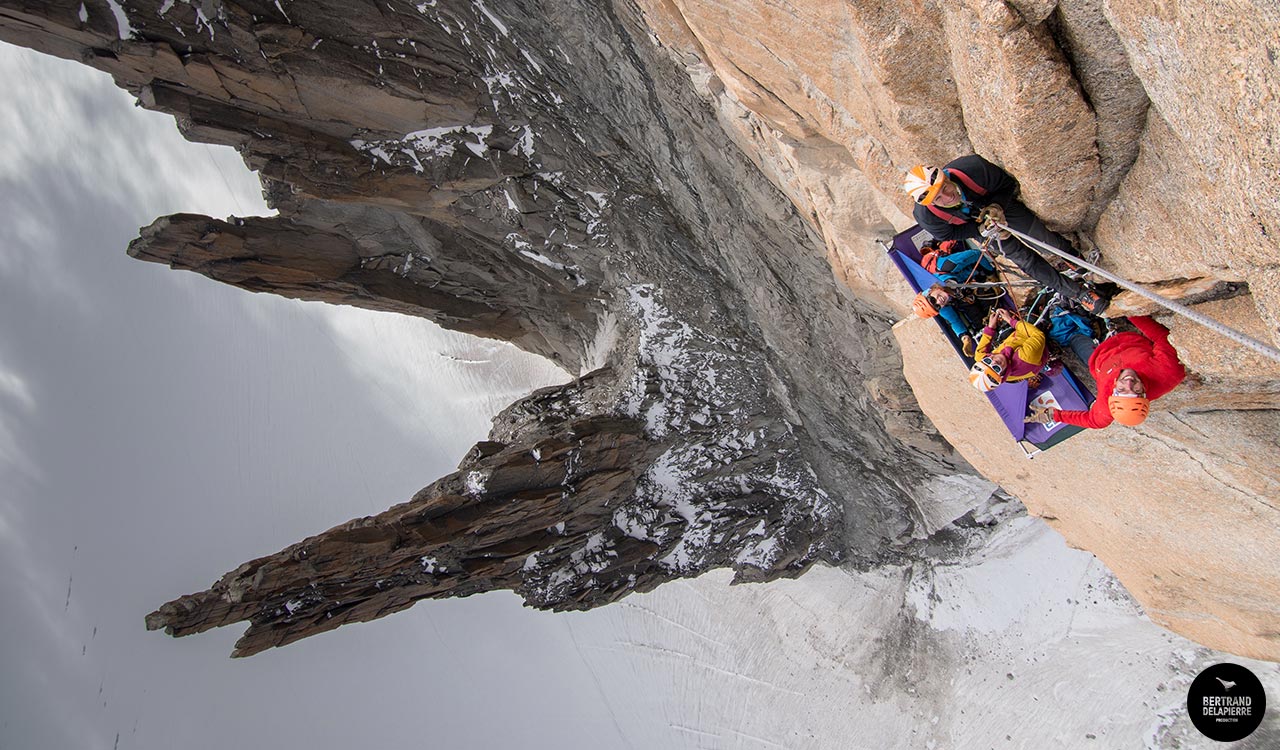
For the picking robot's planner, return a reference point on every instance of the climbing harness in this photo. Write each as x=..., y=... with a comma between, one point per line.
x=989, y=291
x=1248, y=341
x=1000, y=272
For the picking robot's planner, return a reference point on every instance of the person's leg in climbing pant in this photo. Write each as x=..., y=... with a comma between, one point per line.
x=1071, y=330
x=1083, y=347
x=972, y=314
x=1024, y=220
x=1021, y=218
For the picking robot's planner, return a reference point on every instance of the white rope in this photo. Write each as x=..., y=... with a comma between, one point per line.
x=993, y=284
x=1264, y=349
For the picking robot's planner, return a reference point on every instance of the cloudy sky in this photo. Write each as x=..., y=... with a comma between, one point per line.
x=157, y=429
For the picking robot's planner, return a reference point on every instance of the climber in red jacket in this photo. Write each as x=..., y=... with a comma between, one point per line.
x=1132, y=370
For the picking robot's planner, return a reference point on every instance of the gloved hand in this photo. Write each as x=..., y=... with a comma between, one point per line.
x=968, y=345
x=992, y=213
x=1039, y=415
x=988, y=218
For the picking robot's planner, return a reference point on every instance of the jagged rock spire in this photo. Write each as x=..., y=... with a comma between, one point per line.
x=536, y=173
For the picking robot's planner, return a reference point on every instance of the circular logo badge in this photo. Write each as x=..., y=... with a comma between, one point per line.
x=1226, y=702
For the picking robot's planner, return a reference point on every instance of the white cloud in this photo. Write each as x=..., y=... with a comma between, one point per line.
x=14, y=387
x=435, y=383
x=77, y=152
x=60, y=113
x=14, y=461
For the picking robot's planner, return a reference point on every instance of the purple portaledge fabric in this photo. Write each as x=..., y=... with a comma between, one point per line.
x=1011, y=399
x=1068, y=398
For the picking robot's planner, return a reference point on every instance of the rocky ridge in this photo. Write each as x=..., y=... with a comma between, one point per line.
x=506, y=177
x=600, y=185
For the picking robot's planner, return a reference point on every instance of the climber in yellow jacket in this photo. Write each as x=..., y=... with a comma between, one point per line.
x=1019, y=356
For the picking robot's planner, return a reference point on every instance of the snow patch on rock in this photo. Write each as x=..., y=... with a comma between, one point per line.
x=429, y=143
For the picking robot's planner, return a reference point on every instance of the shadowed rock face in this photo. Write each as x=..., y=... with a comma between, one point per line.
x=534, y=173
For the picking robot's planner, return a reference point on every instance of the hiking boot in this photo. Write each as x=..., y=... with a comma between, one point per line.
x=1093, y=303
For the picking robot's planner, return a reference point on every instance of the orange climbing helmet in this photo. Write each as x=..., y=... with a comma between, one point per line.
x=923, y=183
x=1128, y=409
x=924, y=306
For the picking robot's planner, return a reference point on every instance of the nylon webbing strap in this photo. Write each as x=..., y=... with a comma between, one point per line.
x=1264, y=349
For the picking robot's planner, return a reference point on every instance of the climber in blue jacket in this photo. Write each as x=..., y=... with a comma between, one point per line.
x=958, y=266
x=951, y=302
x=1071, y=330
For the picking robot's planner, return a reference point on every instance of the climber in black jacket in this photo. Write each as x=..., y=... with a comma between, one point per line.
x=958, y=200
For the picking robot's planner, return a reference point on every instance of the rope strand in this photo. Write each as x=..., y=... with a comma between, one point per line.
x=1248, y=341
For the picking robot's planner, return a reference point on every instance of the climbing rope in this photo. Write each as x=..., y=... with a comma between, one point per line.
x=1264, y=349
x=1003, y=272
x=994, y=284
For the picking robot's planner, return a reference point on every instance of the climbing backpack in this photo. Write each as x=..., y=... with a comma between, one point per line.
x=929, y=259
